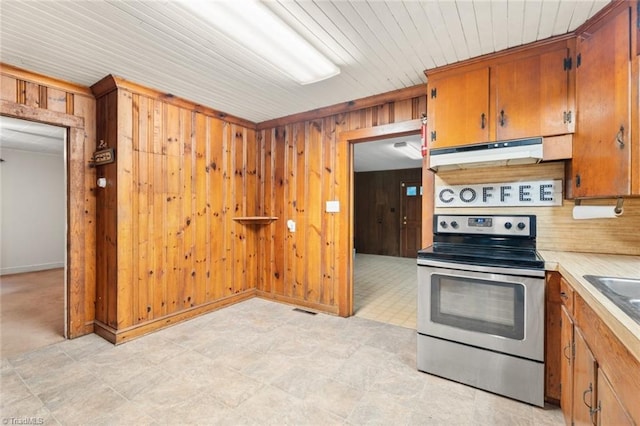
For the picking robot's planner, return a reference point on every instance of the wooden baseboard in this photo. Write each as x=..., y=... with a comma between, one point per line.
x=86, y=328
x=552, y=401
x=329, y=309
x=105, y=331
x=121, y=336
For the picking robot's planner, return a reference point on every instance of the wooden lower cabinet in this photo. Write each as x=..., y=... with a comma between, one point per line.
x=587, y=394
x=552, y=350
x=609, y=410
x=566, y=364
x=584, y=381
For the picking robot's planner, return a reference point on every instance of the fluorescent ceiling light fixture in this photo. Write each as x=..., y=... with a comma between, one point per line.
x=252, y=24
x=408, y=149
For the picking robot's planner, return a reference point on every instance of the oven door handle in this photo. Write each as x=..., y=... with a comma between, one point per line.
x=481, y=268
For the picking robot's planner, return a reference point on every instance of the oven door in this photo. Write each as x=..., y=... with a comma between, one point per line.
x=495, y=311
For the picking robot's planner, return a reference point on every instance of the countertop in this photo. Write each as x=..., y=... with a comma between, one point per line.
x=573, y=266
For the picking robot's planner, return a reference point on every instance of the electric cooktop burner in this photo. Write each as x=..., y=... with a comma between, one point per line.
x=482, y=255
x=495, y=240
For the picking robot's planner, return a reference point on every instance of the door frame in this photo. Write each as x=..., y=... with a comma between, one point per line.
x=74, y=168
x=346, y=141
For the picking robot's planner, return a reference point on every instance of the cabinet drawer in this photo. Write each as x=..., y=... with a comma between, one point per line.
x=566, y=295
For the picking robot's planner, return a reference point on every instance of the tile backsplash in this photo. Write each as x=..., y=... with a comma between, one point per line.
x=557, y=230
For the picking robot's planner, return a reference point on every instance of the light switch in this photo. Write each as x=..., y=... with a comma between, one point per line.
x=291, y=225
x=333, y=207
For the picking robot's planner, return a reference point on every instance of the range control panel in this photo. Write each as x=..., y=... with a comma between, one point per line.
x=513, y=225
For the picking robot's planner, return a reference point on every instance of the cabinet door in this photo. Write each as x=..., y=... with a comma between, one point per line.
x=458, y=108
x=609, y=410
x=566, y=295
x=566, y=365
x=531, y=96
x=552, y=341
x=584, y=381
x=601, y=149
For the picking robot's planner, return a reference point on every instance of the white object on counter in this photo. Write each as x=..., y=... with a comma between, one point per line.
x=595, y=212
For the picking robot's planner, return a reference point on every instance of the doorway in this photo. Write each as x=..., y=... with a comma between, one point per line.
x=34, y=219
x=386, y=215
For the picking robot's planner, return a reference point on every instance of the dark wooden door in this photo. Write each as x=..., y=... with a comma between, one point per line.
x=411, y=217
x=377, y=212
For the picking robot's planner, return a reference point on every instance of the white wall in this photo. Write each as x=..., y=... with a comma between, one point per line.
x=32, y=211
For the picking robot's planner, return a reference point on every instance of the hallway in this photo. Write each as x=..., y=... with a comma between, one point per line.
x=385, y=289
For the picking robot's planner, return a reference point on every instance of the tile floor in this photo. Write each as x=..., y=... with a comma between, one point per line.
x=256, y=362
x=385, y=289
x=32, y=304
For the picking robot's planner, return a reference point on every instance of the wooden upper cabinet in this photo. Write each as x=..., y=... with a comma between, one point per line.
x=518, y=95
x=458, y=109
x=602, y=143
x=531, y=96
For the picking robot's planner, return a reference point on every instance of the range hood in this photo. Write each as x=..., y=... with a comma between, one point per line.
x=504, y=153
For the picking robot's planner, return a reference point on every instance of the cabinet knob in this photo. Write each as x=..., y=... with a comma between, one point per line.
x=483, y=121
x=502, y=119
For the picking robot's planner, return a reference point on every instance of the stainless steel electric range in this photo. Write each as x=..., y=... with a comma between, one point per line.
x=481, y=305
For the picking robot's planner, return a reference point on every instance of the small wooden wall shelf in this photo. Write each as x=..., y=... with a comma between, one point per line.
x=255, y=220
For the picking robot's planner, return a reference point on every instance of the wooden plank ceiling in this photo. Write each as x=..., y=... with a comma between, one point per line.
x=380, y=46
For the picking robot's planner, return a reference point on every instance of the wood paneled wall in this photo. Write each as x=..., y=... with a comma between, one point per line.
x=304, y=164
x=170, y=247
x=377, y=210
x=557, y=230
x=35, y=97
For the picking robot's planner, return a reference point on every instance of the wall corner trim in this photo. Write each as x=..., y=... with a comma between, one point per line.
x=107, y=85
x=112, y=82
